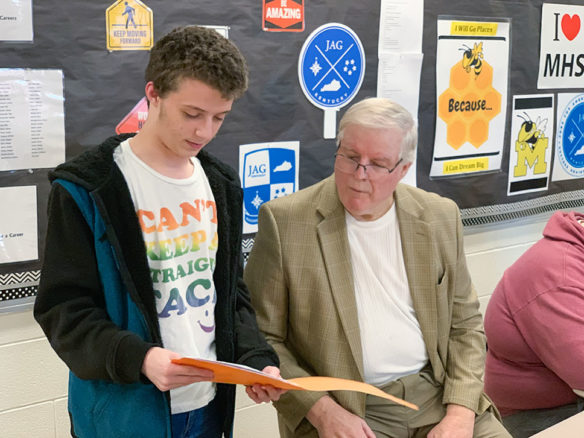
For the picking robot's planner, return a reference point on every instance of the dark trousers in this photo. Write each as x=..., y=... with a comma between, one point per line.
x=526, y=423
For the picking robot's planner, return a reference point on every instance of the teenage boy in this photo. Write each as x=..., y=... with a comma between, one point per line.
x=142, y=262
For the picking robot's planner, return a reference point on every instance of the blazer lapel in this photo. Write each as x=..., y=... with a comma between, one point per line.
x=333, y=241
x=420, y=263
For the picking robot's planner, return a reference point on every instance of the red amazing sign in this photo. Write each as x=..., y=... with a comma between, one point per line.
x=283, y=15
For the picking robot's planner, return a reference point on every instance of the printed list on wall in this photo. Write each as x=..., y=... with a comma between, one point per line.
x=32, y=131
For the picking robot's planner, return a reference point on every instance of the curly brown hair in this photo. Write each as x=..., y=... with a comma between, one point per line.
x=198, y=53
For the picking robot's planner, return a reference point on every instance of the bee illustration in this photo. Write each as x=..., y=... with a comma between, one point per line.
x=472, y=58
x=530, y=132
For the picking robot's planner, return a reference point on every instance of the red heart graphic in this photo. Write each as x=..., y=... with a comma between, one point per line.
x=570, y=26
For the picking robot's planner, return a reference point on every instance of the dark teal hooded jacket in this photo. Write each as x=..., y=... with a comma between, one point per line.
x=96, y=302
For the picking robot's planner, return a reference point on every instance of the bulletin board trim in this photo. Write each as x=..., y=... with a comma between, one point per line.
x=516, y=210
x=18, y=289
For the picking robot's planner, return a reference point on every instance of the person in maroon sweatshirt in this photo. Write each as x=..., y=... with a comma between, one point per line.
x=535, y=331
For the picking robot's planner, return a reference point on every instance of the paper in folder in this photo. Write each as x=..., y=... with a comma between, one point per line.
x=225, y=372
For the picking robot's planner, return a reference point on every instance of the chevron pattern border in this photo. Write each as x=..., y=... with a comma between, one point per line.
x=16, y=285
x=19, y=278
x=520, y=209
x=246, y=246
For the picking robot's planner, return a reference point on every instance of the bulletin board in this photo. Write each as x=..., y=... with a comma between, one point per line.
x=484, y=198
x=101, y=86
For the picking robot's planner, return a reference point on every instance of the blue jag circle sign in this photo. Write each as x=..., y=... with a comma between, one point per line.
x=331, y=66
x=570, y=137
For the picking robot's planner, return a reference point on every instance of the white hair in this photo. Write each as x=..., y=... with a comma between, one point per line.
x=381, y=113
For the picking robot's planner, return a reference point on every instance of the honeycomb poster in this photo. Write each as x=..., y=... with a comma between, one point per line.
x=472, y=68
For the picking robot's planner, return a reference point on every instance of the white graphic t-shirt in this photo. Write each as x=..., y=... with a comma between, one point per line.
x=178, y=218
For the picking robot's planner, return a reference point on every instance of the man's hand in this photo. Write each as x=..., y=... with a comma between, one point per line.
x=333, y=421
x=265, y=393
x=457, y=423
x=157, y=366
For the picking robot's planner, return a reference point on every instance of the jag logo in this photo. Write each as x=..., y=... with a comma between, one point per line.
x=570, y=138
x=331, y=66
x=267, y=173
x=256, y=171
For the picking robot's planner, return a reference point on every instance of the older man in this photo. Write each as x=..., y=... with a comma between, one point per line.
x=360, y=277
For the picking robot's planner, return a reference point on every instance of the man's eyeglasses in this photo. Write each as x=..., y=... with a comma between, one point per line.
x=373, y=171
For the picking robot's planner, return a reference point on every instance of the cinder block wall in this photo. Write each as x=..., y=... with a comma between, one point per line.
x=33, y=381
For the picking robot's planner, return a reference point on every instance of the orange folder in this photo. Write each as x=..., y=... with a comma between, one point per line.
x=225, y=372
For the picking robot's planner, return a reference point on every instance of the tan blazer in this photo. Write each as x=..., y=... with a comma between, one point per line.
x=300, y=277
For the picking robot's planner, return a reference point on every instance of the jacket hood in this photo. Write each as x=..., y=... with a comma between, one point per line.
x=93, y=167
x=564, y=226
